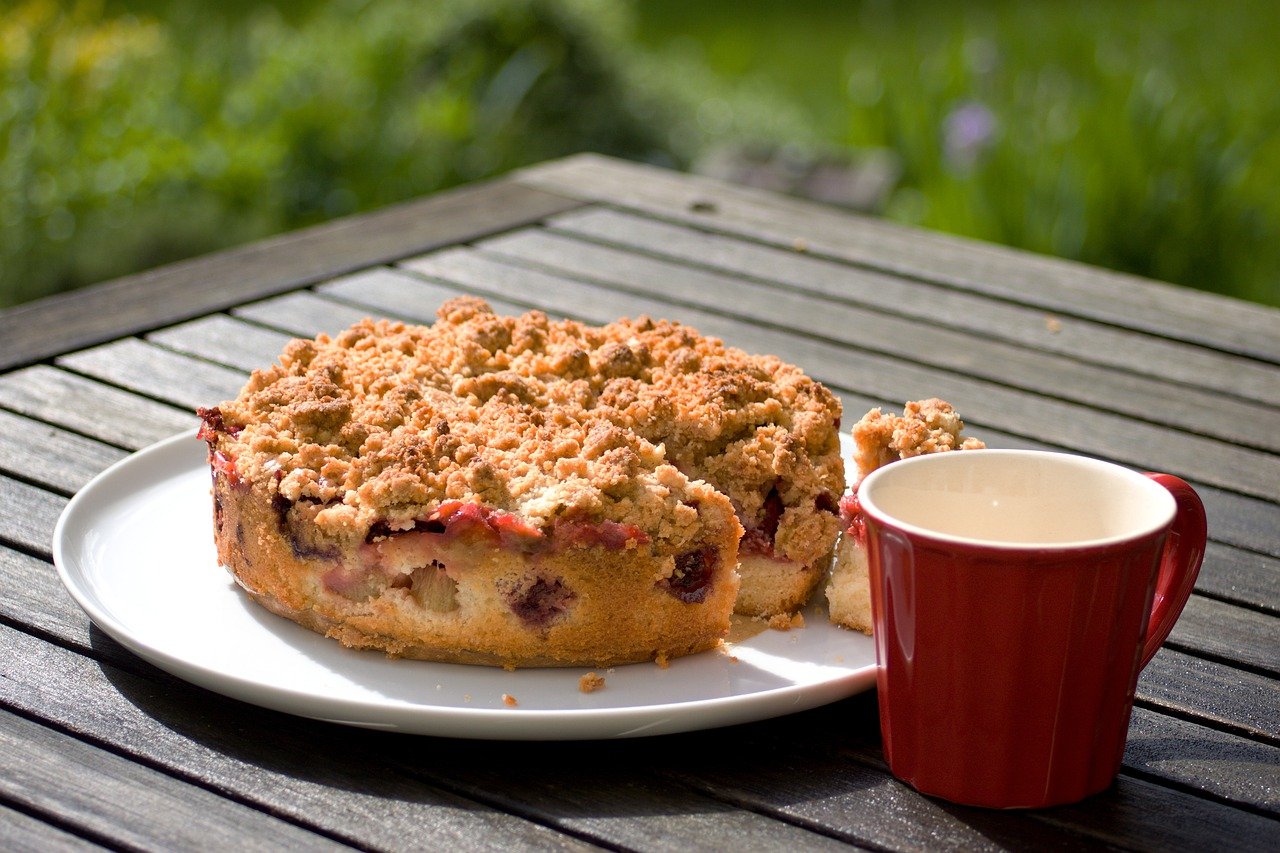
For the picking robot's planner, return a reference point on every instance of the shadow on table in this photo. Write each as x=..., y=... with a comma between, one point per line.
x=819, y=770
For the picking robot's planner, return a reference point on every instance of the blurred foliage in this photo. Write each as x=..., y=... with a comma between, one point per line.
x=127, y=140
x=1142, y=136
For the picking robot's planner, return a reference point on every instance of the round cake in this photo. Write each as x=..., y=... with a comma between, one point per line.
x=525, y=492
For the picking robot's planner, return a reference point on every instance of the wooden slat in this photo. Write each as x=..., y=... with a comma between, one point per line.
x=385, y=290
x=1068, y=425
x=51, y=457
x=1249, y=522
x=148, y=369
x=336, y=780
x=939, y=348
x=1224, y=765
x=125, y=803
x=21, y=832
x=188, y=289
x=240, y=345
x=1230, y=633
x=1087, y=341
x=301, y=310
x=35, y=598
x=27, y=515
x=594, y=796
x=1225, y=697
x=108, y=414
x=1242, y=577
x=1055, y=285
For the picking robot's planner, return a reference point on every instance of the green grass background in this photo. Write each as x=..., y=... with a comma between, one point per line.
x=1142, y=136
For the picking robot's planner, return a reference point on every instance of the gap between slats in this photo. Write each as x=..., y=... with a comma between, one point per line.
x=997, y=272
x=1084, y=340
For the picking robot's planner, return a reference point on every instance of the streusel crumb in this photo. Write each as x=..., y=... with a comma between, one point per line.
x=590, y=683
x=925, y=426
x=550, y=420
x=786, y=621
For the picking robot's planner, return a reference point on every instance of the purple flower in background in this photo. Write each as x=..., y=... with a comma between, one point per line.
x=968, y=131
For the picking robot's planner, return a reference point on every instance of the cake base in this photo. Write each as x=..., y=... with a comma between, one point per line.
x=849, y=587
x=476, y=603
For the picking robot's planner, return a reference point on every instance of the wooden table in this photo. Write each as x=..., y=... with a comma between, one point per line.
x=99, y=748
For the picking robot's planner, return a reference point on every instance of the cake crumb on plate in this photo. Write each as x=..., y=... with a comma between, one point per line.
x=590, y=683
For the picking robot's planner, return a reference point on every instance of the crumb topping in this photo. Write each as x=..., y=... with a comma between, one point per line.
x=639, y=421
x=925, y=426
x=590, y=683
x=786, y=621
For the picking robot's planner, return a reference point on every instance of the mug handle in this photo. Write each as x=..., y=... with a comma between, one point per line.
x=1179, y=564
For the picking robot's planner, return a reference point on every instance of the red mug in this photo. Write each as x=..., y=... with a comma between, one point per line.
x=1016, y=595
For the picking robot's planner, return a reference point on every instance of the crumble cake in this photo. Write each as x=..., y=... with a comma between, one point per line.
x=521, y=491
x=925, y=426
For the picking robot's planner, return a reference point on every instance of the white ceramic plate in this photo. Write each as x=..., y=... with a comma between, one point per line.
x=135, y=548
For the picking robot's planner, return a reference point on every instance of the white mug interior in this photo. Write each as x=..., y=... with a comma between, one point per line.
x=1016, y=498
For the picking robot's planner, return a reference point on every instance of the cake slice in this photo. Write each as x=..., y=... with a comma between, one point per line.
x=925, y=426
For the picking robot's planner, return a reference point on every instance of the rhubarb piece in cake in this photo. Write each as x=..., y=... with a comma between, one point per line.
x=927, y=426
x=518, y=491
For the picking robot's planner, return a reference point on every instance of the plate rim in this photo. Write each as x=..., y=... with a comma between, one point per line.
x=425, y=718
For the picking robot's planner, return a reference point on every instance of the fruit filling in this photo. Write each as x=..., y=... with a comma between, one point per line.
x=759, y=538
x=851, y=517
x=691, y=579
x=539, y=601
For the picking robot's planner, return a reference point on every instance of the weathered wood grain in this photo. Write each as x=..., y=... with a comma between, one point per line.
x=1059, y=286
x=336, y=780
x=1241, y=577
x=51, y=457
x=404, y=792
x=28, y=515
x=35, y=598
x=126, y=804
x=1229, y=633
x=301, y=310
x=157, y=372
x=23, y=833
x=1224, y=697
x=242, y=346
x=112, y=416
x=1087, y=341
x=839, y=781
x=389, y=291
x=188, y=289
x=1231, y=768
